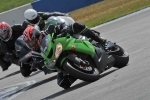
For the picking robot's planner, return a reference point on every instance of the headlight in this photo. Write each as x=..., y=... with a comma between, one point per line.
x=58, y=50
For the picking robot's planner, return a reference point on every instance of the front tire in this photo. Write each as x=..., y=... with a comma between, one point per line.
x=80, y=74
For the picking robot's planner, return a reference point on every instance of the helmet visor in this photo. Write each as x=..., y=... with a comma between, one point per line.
x=35, y=21
x=4, y=35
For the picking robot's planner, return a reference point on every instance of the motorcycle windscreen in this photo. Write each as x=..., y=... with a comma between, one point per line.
x=45, y=44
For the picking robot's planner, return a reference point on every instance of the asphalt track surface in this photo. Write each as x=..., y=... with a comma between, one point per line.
x=129, y=83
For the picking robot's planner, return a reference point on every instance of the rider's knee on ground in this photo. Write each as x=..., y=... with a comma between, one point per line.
x=4, y=64
x=25, y=70
x=65, y=81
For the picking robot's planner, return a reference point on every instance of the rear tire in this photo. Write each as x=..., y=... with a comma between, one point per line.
x=121, y=57
x=79, y=74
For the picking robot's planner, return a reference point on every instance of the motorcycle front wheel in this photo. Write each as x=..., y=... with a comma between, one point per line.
x=89, y=74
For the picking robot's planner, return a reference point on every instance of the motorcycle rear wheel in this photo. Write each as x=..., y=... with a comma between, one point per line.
x=121, y=57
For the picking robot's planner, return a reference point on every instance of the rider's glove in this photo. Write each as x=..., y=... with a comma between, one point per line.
x=49, y=29
x=63, y=33
x=63, y=30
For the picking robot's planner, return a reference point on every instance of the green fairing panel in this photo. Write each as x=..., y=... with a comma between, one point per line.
x=80, y=45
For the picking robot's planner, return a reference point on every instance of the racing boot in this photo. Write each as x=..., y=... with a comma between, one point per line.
x=64, y=80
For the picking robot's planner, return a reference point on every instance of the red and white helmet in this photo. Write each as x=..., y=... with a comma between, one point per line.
x=5, y=31
x=31, y=37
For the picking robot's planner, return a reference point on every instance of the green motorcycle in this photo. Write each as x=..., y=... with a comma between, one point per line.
x=77, y=57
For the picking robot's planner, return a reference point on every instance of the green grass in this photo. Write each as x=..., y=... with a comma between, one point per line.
x=10, y=4
x=107, y=10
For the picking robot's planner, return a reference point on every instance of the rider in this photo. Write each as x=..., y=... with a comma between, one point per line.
x=30, y=38
x=60, y=29
x=8, y=36
x=33, y=17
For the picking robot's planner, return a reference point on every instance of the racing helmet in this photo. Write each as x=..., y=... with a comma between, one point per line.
x=54, y=21
x=32, y=16
x=31, y=37
x=5, y=31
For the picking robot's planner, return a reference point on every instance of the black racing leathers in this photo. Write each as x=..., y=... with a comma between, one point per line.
x=9, y=46
x=42, y=16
